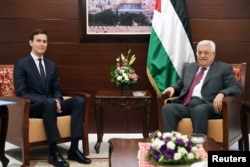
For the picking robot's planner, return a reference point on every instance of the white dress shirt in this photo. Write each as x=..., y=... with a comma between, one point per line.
x=36, y=59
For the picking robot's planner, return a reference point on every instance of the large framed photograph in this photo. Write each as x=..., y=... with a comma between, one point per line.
x=115, y=20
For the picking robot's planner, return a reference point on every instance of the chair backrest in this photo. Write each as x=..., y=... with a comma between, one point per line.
x=6, y=80
x=239, y=71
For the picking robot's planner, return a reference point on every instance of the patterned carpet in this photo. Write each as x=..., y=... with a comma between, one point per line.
x=39, y=156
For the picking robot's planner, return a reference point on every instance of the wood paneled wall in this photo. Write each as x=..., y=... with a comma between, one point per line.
x=86, y=66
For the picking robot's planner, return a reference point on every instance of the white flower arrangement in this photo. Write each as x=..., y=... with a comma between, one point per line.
x=123, y=73
x=172, y=148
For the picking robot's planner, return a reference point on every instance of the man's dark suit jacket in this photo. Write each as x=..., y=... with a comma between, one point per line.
x=28, y=83
x=27, y=74
x=219, y=78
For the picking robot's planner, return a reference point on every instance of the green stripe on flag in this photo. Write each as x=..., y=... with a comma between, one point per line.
x=162, y=71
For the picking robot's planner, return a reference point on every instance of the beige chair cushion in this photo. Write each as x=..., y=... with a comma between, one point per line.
x=63, y=123
x=185, y=127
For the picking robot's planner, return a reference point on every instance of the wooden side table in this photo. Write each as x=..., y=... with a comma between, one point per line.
x=244, y=116
x=115, y=98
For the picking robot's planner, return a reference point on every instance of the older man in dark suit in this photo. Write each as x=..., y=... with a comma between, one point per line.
x=200, y=90
x=36, y=78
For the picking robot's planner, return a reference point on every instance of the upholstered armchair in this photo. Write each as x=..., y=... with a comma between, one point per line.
x=225, y=131
x=28, y=132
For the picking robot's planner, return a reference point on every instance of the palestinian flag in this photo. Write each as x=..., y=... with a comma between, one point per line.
x=170, y=44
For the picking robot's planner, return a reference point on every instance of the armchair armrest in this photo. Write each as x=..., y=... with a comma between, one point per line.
x=161, y=98
x=230, y=106
x=18, y=116
x=231, y=119
x=84, y=95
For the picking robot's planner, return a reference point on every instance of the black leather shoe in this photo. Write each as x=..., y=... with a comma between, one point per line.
x=79, y=157
x=57, y=160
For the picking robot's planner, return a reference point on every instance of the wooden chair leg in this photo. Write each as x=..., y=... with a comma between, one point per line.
x=85, y=144
x=85, y=140
x=26, y=156
x=240, y=144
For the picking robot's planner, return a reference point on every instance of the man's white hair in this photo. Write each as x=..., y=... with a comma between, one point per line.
x=209, y=43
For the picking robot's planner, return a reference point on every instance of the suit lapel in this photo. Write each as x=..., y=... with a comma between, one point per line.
x=192, y=72
x=34, y=67
x=210, y=73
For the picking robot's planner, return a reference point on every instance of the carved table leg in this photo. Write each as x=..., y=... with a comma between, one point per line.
x=147, y=117
x=4, y=115
x=99, y=124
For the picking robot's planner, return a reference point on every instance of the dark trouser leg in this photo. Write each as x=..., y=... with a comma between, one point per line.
x=46, y=109
x=171, y=114
x=200, y=112
x=75, y=107
x=50, y=121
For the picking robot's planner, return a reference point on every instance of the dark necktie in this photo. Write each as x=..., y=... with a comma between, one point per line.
x=194, y=83
x=42, y=73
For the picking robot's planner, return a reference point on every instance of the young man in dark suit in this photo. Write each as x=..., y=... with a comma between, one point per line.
x=204, y=101
x=36, y=78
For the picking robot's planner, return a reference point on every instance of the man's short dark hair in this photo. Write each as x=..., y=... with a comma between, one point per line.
x=36, y=32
